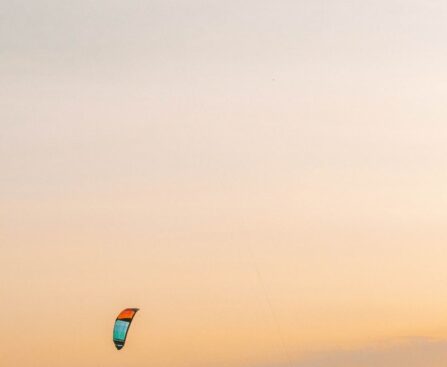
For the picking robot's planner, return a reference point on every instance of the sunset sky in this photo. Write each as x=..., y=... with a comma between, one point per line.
x=265, y=180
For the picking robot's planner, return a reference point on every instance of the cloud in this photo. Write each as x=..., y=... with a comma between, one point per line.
x=413, y=352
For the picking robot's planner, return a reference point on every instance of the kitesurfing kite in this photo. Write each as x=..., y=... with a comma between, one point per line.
x=122, y=324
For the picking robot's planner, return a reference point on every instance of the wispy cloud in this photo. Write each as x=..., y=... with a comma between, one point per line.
x=412, y=352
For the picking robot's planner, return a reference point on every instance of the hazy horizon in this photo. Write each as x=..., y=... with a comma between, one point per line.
x=266, y=181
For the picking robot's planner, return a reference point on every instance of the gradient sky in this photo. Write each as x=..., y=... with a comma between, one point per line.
x=266, y=180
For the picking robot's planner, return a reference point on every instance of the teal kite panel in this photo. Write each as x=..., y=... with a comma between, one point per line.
x=120, y=330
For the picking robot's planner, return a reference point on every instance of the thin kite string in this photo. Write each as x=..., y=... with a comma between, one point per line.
x=268, y=300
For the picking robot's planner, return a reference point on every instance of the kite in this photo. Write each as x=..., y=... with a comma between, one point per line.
x=122, y=325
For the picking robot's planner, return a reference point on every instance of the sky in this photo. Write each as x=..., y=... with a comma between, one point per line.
x=265, y=180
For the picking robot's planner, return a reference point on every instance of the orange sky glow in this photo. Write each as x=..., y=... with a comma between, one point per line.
x=266, y=181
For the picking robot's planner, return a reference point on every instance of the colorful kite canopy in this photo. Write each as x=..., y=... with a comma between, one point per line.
x=122, y=324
